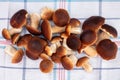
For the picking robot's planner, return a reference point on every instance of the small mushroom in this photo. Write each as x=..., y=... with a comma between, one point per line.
x=23, y=41
x=55, y=43
x=93, y=23
x=46, y=66
x=46, y=13
x=33, y=24
x=18, y=20
x=74, y=22
x=108, y=29
x=107, y=49
x=55, y=58
x=61, y=17
x=15, y=38
x=73, y=42
x=46, y=29
x=88, y=37
x=35, y=47
x=83, y=62
x=61, y=51
x=69, y=61
x=7, y=34
x=16, y=55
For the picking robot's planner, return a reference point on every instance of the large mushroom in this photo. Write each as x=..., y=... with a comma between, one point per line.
x=18, y=20
x=35, y=47
x=107, y=49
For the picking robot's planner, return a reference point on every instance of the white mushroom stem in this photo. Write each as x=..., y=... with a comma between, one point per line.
x=35, y=19
x=90, y=51
x=57, y=29
x=73, y=59
x=74, y=30
x=101, y=36
x=87, y=67
x=14, y=30
x=10, y=50
x=65, y=44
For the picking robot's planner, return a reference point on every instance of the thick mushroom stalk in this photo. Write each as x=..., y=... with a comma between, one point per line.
x=84, y=63
x=7, y=34
x=33, y=24
x=16, y=55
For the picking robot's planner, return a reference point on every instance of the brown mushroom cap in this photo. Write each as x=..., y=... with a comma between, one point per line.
x=46, y=29
x=61, y=51
x=55, y=58
x=82, y=61
x=15, y=38
x=67, y=63
x=61, y=17
x=74, y=22
x=23, y=41
x=93, y=23
x=35, y=47
x=73, y=42
x=109, y=30
x=107, y=49
x=88, y=37
x=18, y=20
x=46, y=66
x=18, y=56
x=32, y=30
x=6, y=34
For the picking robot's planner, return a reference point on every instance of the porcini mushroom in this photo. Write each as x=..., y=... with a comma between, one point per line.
x=83, y=62
x=46, y=29
x=46, y=13
x=61, y=17
x=69, y=61
x=107, y=49
x=8, y=33
x=93, y=23
x=33, y=24
x=16, y=55
x=35, y=47
x=46, y=66
x=18, y=20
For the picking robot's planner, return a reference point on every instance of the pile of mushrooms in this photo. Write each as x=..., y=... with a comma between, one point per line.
x=55, y=37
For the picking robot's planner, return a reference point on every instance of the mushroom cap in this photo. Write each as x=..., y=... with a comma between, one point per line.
x=18, y=56
x=74, y=22
x=73, y=42
x=67, y=63
x=46, y=13
x=33, y=30
x=82, y=61
x=55, y=58
x=111, y=31
x=61, y=51
x=15, y=38
x=61, y=17
x=35, y=47
x=46, y=66
x=6, y=34
x=46, y=29
x=18, y=20
x=107, y=49
x=88, y=37
x=93, y=23
x=23, y=41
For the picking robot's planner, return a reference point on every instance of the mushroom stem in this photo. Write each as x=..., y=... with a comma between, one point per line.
x=90, y=51
x=73, y=58
x=15, y=30
x=65, y=44
x=57, y=29
x=87, y=67
x=76, y=30
x=10, y=50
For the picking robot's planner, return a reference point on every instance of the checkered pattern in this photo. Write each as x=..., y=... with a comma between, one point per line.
x=29, y=70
